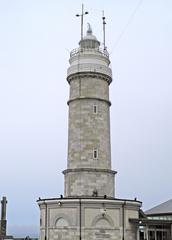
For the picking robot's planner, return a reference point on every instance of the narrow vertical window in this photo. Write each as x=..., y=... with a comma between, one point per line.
x=95, y=153
x=95, y=109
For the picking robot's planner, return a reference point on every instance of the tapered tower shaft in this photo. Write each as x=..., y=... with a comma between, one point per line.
x=89, y=150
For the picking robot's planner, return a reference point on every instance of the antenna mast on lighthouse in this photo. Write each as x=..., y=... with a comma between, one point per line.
x=104, y=23
x=82, y=19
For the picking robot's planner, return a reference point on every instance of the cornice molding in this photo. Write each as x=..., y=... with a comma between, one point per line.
x=99, y=76
x=89, y=170
x=89, y=98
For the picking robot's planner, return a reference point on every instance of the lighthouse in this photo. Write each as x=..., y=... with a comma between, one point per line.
x=89, y=208
x=88, y=170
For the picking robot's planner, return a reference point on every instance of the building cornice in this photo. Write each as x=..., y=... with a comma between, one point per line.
x=93, y=200
x=99, y=76
x=89, y=98
x=89, y=170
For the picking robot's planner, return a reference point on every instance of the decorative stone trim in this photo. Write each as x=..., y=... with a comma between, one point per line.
x=99, y=217
x=99, y=76
x=87, y=199
x=91, y=98
x=89, y=170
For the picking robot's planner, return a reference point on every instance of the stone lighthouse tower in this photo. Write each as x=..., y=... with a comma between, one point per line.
x=89, y=155
x=89, y=209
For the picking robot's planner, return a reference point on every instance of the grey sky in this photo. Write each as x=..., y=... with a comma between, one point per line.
x=36, y=37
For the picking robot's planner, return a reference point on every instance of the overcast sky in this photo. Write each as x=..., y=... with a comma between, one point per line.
x=36, y=37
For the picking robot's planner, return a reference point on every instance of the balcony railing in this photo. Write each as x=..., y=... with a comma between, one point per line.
x=99, y=50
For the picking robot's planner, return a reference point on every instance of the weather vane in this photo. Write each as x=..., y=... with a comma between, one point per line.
x=82, y=19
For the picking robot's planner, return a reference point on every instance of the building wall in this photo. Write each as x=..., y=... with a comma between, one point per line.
x=99, y=219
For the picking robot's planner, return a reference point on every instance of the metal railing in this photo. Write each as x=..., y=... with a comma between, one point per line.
x=99, y=50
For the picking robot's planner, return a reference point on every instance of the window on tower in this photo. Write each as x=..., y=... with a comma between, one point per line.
x=95, y=153
x=95, y=109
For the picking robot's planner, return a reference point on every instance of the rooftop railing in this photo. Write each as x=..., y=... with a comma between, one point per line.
x=99, y=50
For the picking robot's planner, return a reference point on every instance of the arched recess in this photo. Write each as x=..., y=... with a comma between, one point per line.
x=61, y=222
x=103, y=222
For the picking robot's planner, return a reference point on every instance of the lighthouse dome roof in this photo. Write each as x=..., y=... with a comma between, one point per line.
x=89, y=40
x=90, y=33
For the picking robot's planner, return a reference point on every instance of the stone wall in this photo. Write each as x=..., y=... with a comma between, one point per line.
x=89, y=182
x=3, y=226
x=92, y=219
x=89, y=131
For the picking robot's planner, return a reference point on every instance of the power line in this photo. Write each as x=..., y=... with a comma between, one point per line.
x=126, y=26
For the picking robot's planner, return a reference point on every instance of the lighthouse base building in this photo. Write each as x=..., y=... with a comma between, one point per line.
x=89, y=209
x=88, y=218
